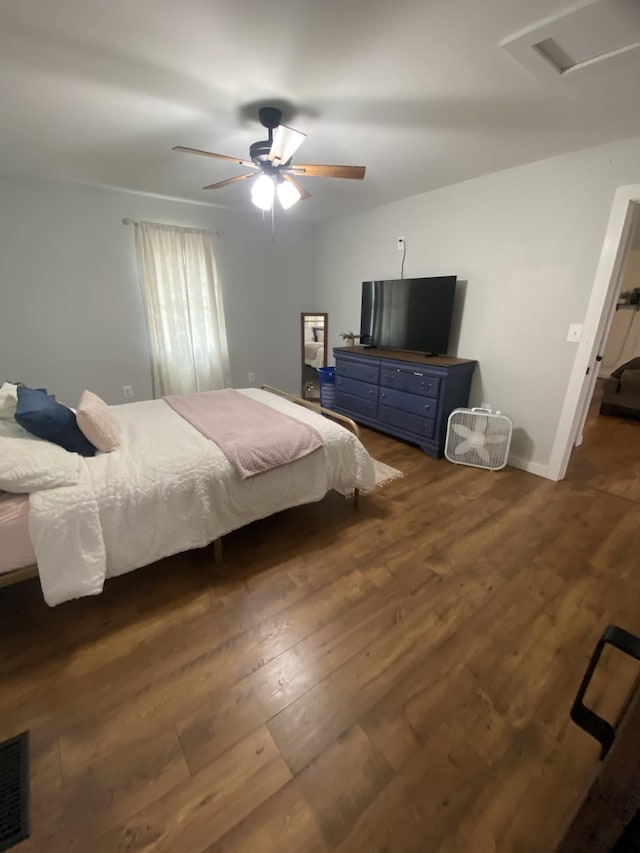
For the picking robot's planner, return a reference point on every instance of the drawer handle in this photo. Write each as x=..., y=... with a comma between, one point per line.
x=430, y=385
x=427, y=406
x=384, y=396
x=371, y=393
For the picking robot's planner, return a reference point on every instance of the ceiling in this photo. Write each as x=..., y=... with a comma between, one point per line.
x=419, y=91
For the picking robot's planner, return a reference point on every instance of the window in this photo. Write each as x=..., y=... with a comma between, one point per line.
x=185, y=315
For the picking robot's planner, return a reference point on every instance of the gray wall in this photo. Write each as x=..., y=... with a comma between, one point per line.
x=71, y=312
x=524, y=244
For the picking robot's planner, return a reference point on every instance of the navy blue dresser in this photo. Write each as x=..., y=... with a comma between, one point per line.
x=402, y=393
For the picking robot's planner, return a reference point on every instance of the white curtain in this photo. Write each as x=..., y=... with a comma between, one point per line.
x=184, y=309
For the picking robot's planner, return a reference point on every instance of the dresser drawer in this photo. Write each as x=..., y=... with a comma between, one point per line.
x=424, y=427
x=357, y=405
x=415, y=382
x=363, y=371
x=412, y=403
x=357, y=389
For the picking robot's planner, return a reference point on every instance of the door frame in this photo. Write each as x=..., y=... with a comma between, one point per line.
x=596, y=327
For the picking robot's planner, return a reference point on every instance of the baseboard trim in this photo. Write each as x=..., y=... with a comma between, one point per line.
x=531, y=467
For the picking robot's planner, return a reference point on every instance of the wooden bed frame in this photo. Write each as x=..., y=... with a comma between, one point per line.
x=18, y=575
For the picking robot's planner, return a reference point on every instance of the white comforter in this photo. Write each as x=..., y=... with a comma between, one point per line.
x=314, y=354
x=167, y=489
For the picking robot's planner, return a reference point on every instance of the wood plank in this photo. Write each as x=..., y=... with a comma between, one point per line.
x=215, y=726
x=337, y=800
x=218, y=723
x=285, y=823
x=96, y=796
x=422, y=803
x=323, y=805
x=442, y=684
x=177, y=673
x=309, y=724
x=197, y=812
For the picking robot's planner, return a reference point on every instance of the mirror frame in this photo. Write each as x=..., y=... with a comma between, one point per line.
x=325, y=317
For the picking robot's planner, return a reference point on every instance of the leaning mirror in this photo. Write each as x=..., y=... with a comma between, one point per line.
x=313, y=337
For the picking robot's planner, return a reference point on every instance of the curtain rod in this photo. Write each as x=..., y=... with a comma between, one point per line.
x=127, y=221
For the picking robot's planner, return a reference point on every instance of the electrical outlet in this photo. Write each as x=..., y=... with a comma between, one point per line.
x=127, y=392
x=400, y=244
x=252, y=376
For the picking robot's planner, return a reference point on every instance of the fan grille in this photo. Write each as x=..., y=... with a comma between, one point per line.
x=480, y=439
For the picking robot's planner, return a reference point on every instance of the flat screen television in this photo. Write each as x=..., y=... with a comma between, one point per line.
x=408, y=314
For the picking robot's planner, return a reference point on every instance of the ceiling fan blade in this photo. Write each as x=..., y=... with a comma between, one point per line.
x=285, y=144
x=316, y=171
x=303, y=193
x=237, y=160
x=229, y=181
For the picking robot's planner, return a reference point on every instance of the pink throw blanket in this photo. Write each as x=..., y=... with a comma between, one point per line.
x=254, y=437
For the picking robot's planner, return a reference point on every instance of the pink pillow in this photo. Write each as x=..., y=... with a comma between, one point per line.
x=97, y=422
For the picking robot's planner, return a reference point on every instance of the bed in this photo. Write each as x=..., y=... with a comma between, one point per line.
x=314, y=353
x=166, y=489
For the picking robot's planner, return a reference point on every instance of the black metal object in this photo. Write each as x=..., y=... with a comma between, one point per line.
x=270, y=117
x=584, y=717
x=15, y=819
x=629, y=841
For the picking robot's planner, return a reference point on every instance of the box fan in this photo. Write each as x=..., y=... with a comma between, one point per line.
x=478, y=437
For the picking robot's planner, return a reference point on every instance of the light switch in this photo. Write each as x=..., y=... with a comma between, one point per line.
x=575, y=333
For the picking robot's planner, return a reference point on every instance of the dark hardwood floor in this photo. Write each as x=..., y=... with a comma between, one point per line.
x=396, y=678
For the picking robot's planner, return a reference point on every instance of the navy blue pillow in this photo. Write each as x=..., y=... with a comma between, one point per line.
x=43, y=416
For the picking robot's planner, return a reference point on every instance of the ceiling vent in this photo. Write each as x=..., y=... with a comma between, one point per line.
x=593, y=35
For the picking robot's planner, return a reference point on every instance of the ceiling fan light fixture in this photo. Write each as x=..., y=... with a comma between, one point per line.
x=273, y=169
x=288, y=194
x=285, y=144
x=262, y=192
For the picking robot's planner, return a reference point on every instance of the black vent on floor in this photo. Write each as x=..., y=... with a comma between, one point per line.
x=15, y=823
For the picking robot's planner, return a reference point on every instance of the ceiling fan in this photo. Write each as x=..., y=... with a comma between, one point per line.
x=273, y=171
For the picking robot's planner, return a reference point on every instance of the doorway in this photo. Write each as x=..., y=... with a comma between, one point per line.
x=618, y=242
x=616, y=385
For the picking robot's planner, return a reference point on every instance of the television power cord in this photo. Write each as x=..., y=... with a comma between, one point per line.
x=404, y=255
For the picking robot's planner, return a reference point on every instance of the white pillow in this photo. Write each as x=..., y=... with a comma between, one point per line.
x=8, y=401
x=97, y=422
x=28, y=463
x=308, y=334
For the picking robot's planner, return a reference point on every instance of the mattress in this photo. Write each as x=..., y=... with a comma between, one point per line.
x=16, y=550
